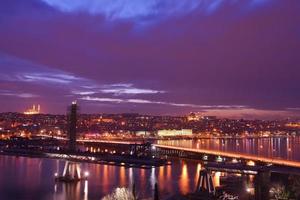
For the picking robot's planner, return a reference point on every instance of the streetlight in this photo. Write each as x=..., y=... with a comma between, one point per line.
x=86, y=174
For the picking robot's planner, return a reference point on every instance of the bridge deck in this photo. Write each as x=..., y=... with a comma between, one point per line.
x=92, y=140
x=275, y=161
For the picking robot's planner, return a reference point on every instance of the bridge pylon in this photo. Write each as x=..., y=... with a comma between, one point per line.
x=71, y=173
x=205, y=183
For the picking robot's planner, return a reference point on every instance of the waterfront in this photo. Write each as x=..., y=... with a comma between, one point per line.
x=33, y=178
x=271, y=147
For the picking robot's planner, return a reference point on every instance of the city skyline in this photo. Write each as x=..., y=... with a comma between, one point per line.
x=226, y=58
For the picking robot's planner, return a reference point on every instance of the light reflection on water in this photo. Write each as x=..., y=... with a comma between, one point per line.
x=33, y=178
x=184, y=185
x=275, y=147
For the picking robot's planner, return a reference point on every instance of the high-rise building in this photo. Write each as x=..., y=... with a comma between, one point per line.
x=72, y=121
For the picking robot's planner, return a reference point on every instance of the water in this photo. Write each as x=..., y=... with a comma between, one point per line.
x=274, y=147
x=33, y=178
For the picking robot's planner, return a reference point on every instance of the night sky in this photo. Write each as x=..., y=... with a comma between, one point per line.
x=233, y=58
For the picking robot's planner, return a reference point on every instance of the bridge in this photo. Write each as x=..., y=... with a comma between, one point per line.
x=91, y=140
x=195, y=153
x=204, y=153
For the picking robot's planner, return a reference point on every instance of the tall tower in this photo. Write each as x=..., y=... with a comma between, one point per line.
x=72, y=122
x=39, y=108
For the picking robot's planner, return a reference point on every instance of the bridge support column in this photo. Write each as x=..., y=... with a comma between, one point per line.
x=71, y=171
x=262, y=182
x=205, y=184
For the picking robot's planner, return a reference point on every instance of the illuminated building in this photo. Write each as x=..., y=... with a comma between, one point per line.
x=143, y=133
x=293, y=125
x=33, y=111
x=209, y=118
x=193, y=117
x=170, y=133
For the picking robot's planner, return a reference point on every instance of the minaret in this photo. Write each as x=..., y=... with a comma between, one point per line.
x=72, y=121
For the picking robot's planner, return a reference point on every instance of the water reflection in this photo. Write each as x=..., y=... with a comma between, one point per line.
x=277, y=147
x=152, y=178
x=184, y=179
x=105, y=178
x=131, y=177
x=86, y=190
x=180, y=177
x=196, y=177
x=122, y=176
x=216, y=178
x=31, y=178
x=68, y=191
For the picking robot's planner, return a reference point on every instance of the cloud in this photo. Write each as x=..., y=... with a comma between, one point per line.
x=144, y=101
x=215, y=52
x=124, y=9
x=142, y=10
x=47, y=77
x=117, y=89
x=83, y=92
x=252, y=113
x=17, y=94
x=16, y=69
x=26, y=72
x=127, y=89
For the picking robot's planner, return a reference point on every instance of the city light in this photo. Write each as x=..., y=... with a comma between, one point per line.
x=33, y=111
x=251, y=163
x=86, y=174
x=149, y=99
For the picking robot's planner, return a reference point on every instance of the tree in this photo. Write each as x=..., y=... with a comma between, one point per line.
x=120, y=194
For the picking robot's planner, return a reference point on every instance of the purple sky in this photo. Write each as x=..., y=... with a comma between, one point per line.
x=236, y=58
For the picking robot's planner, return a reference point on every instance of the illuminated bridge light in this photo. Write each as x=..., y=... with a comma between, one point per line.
x=219, y=159
x=251, y=163
x=86, y=174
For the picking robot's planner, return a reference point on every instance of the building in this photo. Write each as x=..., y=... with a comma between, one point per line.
x=175, y=133
x=194, y=116
x=34, y=110
x=142, y=133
